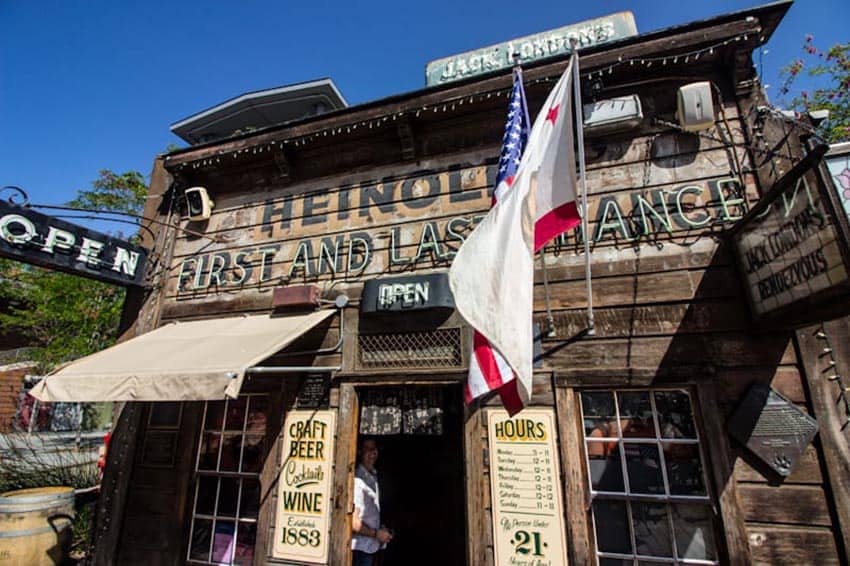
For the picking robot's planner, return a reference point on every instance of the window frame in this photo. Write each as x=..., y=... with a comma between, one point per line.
x=667, y=498
x=237, y=519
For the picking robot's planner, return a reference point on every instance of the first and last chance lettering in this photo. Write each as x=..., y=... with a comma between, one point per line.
x=350, y=254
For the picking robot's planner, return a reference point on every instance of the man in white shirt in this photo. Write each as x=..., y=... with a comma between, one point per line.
x=368, y=535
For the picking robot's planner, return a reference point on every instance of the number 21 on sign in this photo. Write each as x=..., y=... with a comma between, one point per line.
x=529, y=543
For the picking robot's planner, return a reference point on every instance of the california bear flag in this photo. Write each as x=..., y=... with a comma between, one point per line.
x=492, y=276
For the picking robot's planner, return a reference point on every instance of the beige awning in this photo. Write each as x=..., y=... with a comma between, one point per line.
x=181, y=361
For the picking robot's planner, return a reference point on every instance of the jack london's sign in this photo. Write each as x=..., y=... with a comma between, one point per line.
x=530, y=48
x=32, y=237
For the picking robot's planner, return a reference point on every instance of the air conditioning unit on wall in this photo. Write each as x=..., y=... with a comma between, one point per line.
x=612, y=115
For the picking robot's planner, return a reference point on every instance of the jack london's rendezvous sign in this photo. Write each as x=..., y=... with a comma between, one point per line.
x=792, y=250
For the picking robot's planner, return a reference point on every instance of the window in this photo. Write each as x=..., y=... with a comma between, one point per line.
x=227, y=494
x=648, y=484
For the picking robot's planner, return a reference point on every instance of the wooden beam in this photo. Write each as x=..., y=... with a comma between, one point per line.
x=476, y=520
x=828, y=407
x=343, y=479
x=115, y=485
x=283, y=162
x=575, y=482
x=405, y=136
x=721, y=467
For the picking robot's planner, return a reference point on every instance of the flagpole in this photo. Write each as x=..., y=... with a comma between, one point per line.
x=591, y=325
x=550, y=320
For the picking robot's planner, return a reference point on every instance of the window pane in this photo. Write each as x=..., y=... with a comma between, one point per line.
x=252, y=455
x=612, y=526
x=652, y=529
x=228, y=497
x=636, y=414
x=615, y=562
x=258, y=407
x=201, y=537
x=215, y=415
x=600, y=419
x=207, y=488
x=209, y=451
x=684, y=469
x=165, y=415
x=250, y=506
x=223, y=542
x=230, y=453
x=675, y=416
x=245, y=543
x=644, y=466
x=236, y=414
x=694, y=533
x=606, y=471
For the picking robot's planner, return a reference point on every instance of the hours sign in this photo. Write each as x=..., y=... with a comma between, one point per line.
x=528, y=516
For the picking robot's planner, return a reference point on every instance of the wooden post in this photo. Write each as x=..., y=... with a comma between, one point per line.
x=343, y=481
x=476, y=520
x=114, y=486
x=576, y=496
x=716, y=447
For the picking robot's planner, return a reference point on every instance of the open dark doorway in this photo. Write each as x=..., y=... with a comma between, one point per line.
x=419, y=432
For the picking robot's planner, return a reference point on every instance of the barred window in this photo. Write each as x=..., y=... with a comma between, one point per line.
x=648, y=483
x=227, y=494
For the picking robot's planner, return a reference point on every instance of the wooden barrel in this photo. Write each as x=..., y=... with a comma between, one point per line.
x=35, y=526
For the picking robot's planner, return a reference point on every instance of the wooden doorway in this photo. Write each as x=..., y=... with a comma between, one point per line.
x=419, y=432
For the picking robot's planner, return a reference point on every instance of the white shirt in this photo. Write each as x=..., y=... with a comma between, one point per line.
x=367, y=500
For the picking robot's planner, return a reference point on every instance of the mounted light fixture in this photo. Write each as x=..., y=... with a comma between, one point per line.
x=198, y=204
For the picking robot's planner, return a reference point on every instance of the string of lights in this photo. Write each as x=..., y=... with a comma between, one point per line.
x=449, y=105
x=834, y=376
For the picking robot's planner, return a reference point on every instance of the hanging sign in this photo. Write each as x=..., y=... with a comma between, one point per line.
x=530, y=48
x=792, y=250
x=38, y=239
x=528, y=517
x=302, y=523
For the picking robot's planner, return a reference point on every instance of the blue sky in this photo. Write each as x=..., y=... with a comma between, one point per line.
x=86, y=85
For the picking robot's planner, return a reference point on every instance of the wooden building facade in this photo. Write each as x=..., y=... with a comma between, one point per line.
x=631, y=457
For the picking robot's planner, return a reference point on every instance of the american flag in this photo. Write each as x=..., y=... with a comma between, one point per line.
x=513, y=142
x=488, y=371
